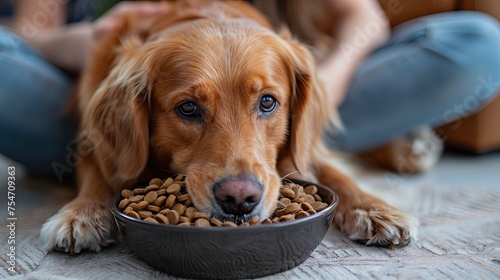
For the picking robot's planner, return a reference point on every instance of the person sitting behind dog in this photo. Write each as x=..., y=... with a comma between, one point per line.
x=387, y=87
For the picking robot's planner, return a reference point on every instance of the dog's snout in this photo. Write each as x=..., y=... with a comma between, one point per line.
x=238, y=197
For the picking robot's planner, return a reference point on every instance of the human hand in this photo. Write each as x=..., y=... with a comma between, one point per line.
x=70, y=46
x=111, y=19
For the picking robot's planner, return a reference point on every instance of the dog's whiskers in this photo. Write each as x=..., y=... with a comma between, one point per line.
x=170, y=172
x=284, y=178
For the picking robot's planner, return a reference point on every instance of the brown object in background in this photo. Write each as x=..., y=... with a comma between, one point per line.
x=478, y=133
x=491, y=7
x=466, y=4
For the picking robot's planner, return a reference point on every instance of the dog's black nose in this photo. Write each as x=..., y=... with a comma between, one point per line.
x=238, y=196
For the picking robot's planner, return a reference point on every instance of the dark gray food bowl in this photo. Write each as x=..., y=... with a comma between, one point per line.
x=225, y=252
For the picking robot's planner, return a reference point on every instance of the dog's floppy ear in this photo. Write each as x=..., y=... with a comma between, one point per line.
x=115, y=122
x=310, y=111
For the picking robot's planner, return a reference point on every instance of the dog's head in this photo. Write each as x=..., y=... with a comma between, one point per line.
x=220, y=101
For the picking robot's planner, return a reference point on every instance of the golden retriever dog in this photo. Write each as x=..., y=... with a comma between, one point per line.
x=213, y=92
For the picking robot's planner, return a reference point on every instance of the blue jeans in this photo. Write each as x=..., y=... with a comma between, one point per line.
x=33, y=95
x=433, y=70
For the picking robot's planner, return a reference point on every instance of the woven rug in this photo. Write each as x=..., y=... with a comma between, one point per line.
x=459, y=237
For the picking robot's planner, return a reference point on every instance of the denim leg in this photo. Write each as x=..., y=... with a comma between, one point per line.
x=33, y=95
x=435, y=69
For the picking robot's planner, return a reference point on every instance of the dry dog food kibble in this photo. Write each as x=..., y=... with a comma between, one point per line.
x=167, y=202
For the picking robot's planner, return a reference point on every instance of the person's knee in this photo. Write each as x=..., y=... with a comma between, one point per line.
x=486, y=31
x=480, y=43
x=477, y=39
x=483, y=27
x=485, y=61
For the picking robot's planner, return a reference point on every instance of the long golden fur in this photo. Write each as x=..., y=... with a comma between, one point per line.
x=223, y=57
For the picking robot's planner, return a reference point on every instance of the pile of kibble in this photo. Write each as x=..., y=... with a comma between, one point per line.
x=167, y=202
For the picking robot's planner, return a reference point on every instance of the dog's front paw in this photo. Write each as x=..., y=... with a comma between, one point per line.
x=379, y=225
x=80, y=225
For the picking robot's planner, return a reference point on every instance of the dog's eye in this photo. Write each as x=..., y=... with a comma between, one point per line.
x=188, y=109
x=267, y=104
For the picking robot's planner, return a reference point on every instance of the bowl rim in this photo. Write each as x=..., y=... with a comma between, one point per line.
x=332, y=206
